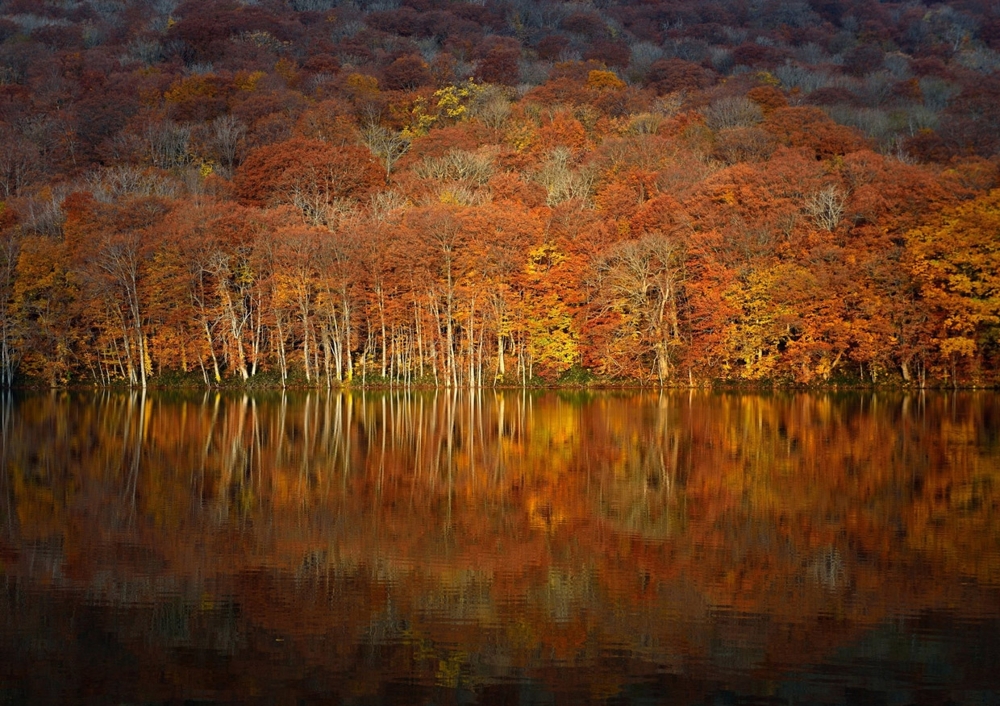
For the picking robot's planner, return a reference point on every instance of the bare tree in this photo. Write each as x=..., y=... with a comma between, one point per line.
x=119, y=257
x=458, y=165
x=388, y=145
x=43, y=213
x=561, y=181
x=733, y=112
x=19, y=162
x=826, y=207
x=167, y=144
x=640, y=280
x=491, y=106
x=124, y=181
x=10, y=246
x=383, y=204
x=226, y=139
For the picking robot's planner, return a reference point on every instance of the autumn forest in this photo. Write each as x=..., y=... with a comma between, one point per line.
x=466, y=194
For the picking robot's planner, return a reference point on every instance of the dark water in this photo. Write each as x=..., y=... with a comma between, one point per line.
x=500, y=548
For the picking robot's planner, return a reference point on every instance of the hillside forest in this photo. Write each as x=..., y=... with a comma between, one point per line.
x=317, y=192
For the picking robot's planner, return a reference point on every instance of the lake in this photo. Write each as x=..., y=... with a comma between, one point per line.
x=501, y=547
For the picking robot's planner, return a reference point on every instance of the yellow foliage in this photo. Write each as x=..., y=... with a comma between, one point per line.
x=767, y=78
x=520, y=136
x=362, y=83
x=417, y=118
x=554, y=341
x=958, y=266
x=191, y=87
x=453, y=101
x=754, y=335
x=286, y=69
x=544, y=258
x=604, y=80
x=247, y=81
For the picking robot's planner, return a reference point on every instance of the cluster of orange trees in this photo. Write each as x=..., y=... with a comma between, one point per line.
x=290, y=216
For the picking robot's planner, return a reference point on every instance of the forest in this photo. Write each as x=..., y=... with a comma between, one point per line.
x=499, y=193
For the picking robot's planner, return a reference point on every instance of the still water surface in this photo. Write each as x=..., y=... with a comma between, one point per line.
x=500, y=548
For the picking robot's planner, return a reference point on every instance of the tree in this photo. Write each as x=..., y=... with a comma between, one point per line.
x=439, y=237
x=499, y=66
x=406, y=73
x=310, y=175
x=10, y=246
x=19, y=163
x=826, y=207
x=733, y=112
x=756, y=336
x=498, y=240
x=388, y=145
x=611, y=53
x=810, y=128
x=743, y=144
x=957, y=263
x=640, y=282
x=671, y=75
x=553, y=340
x=111, y=249
x=45, y=302
x=226, y=135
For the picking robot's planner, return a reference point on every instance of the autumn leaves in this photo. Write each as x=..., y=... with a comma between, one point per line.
x=473, y=235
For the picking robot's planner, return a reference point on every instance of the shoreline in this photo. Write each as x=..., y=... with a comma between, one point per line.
x=596, y=386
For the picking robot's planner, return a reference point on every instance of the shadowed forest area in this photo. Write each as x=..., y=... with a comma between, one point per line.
x=317, y=192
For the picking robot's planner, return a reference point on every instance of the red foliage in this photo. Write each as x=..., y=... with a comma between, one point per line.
x=758, y=55
x=832, y=95
x=662, y=213
x=207, y=27
x=863, y=59
x=406, y=73
x=403, y=21
x=511, y=189
x=768, y=97
x=811, y=129
x=610, y=53
x=277, y=173
x=499, y=66
x=551, y=47
x=321, y=64
x=972, y=121
x=586, y=23
x=671, y=75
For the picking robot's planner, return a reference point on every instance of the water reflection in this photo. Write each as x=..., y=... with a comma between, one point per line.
x=445, y=546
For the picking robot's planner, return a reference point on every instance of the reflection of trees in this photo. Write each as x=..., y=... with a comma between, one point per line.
x=643, y=496
x=466, y=535
x=9, y=528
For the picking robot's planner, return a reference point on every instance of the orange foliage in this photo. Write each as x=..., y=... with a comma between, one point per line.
x=809, y=128
x=315, y=172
